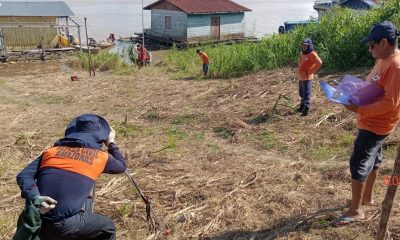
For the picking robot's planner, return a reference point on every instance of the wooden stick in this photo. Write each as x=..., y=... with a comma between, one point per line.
x=87, y=43
x=389, y=198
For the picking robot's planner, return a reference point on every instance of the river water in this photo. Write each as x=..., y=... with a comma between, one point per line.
x=124, y=17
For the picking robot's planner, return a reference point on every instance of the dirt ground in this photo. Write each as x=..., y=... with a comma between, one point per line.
x=218, y=160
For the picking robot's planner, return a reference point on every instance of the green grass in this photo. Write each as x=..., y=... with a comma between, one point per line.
x=336, y=39
x=178, y=133
x=105, y=61
x=224, y=132
x=199, y=136
x=183, y=120
x=213, y=146
x=53, y=99
x=267, y=139
x=128, y=129
x=152, y=116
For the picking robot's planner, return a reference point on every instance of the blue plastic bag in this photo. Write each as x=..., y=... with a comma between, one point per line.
x=352, y=89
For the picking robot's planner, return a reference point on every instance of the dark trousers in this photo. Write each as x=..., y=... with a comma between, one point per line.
x=84, y=225
x=205, y=69
x=305, y=87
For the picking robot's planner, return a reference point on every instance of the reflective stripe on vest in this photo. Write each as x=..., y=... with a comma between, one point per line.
x=85, y=161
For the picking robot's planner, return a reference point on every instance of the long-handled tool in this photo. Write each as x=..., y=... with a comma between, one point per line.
x=155, y=222
x=91, y=68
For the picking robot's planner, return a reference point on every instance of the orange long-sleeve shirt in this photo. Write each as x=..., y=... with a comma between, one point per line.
x=382, y=116
x=203, y=57
x=308, y=65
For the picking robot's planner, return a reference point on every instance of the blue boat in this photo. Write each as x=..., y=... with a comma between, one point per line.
x=291, y=25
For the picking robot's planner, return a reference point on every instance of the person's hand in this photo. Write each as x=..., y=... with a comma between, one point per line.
x=47, y=204
x=352, y=107
x=111, y=137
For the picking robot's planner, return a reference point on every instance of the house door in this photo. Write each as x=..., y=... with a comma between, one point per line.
x=215, y=27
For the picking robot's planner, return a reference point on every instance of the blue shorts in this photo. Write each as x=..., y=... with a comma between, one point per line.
x=367, y=154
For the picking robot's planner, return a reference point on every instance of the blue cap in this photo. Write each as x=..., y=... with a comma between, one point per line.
x=307, y=41
x=380, y=31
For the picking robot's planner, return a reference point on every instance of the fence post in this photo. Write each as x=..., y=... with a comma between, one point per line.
x=389, y=198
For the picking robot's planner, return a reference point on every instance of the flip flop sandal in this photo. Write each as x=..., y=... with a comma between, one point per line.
x=344, y=221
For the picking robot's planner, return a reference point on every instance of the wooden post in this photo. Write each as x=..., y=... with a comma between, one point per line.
x=79, y=37
x=389, y=198
x=87, y=43
x=67, y=30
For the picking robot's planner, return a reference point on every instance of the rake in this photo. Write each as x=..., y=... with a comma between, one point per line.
x=154, y=221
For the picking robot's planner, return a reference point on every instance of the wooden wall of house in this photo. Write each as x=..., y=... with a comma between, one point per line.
x=25, y=37
x=178, y=24
x=199, y=26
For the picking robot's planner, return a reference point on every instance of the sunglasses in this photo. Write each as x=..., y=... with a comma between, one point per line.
x=372, y=44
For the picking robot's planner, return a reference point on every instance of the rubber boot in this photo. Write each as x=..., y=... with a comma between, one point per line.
x=305, y=111
x=300, y=109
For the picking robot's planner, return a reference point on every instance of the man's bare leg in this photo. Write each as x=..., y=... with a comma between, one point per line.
x=369, y=188
x=355, y=211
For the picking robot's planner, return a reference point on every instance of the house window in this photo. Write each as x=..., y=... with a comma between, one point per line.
x=167, y=22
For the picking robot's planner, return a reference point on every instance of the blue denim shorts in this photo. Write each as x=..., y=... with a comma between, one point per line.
x=367, y=154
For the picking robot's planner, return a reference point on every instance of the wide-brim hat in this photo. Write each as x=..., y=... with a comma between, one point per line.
x=89, y=128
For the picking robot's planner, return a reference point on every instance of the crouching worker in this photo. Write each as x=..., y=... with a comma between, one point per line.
x=60, y=180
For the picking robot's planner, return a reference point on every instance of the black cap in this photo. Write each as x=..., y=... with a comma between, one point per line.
x=381, y=30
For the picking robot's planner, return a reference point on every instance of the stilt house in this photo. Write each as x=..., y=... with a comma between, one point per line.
x=26, y=25
x=196, y=21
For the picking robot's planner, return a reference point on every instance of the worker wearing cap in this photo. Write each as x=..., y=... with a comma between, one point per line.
x=204, y=59
x=62, y=178
x=375, y=121
x=309, y=63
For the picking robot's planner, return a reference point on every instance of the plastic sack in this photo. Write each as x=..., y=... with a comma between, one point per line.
x=352, y=89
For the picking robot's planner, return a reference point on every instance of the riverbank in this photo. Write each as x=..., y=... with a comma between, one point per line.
x=215, y=161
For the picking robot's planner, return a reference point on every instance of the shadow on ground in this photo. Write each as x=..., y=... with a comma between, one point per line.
x=318, y=219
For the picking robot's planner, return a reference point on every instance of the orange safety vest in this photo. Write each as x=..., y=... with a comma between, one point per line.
x=84, y=161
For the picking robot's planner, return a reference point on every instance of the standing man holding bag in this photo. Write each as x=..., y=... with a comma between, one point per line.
x=375, y=121
x=62, y=178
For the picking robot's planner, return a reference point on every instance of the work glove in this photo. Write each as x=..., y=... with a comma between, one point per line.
x=47, y=203
x=111, y=137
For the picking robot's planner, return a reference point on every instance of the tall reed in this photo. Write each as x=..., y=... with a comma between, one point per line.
x=336, y=38
x=105, y=61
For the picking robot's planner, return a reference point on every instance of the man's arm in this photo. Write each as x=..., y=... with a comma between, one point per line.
x=26, y=180
x=317, y=64
x=390, y=100
x=116, y=162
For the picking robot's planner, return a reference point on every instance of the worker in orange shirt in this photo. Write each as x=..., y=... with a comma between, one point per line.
x=204, y=59
x=143, y=56
x=375, y=121
x=309, y=63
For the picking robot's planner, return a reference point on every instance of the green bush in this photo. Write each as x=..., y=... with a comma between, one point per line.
x=105, y=61
x=336, y=39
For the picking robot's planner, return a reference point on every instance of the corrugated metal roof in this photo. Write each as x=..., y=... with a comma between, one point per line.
x=204, y=6
x=32, y=9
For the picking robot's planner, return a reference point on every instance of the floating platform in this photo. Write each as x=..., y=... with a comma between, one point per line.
x=184, y=44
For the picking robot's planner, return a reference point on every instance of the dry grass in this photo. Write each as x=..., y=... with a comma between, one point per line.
x=214, y=162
